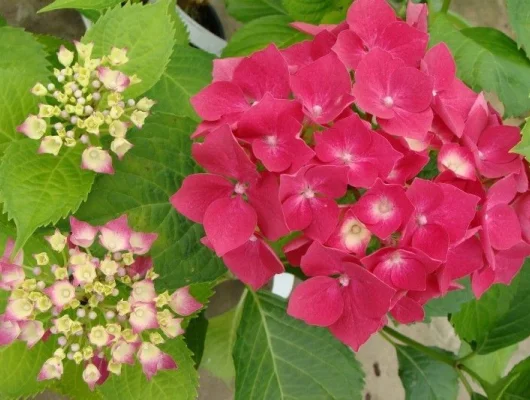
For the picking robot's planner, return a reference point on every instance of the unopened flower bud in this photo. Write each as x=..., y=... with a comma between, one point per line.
x=50, y=145
x=92, y=315
x=39, y=90
x=145, y=104
x=65, y=56
x=51, y=86
x=42, y=258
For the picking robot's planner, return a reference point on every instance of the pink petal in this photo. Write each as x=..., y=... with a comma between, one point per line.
x=439, y=64
x=317, y=301
x=321, y=260
x=143, y=317
x=11, y=275
x=139, y=268
x=407, y=311
x=141, y=242
x=404, y=42
x=323, y=87
x=254, y=263
x=310, y=29
x=9, y=331
x=494, y=155
x=219, y=99
x=458, y=159
x=481, y=281
x=433, y=240
x=83, y=234
x=350, y=235
x=417, y=15
x=263, y=72
x=369, y=18
x=297, y=212
x=350, y=49
x=123, y=352
x=296, y=249
x=325, y=213
x=223, y=68
x=503, y=227
x=228, y=223
x=221, y=154
x=97, y=160
x=116, y=234
x=197, y=192
x=453, y=105
x=143, y=291
x=60, y=293
x=407, y=124
x=264, y=198
x=183, y=303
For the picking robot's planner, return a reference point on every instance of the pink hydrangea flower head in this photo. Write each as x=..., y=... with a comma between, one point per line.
x=324, y=88
x=366, y=154
x=398, y=95
x=384, y=209
x=307, y=199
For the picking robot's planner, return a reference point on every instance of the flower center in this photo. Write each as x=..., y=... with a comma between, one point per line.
x=395, y=258
x=317, y=110
x=253, y=238
x=66, y=293
x=271, y=140
x=139, y=313
x=308, y=193
x=388, y=101
x=240, y=188
x=346, y=157
x=421, y=219
x=344, y=280
x=384, y=206
x=355, y=229
x=94, y=154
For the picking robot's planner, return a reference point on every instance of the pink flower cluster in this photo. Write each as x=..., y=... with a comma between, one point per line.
x=322, y=144
x=105, y=312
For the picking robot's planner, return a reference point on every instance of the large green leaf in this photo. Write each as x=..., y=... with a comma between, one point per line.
x=80, y=4
x=220, y=339
x=488, y=60
x=144, y=181
x=489, y=367
x=20, y=367
x=259, y=33
x=22, y=64
x=176, y=384
x=247, y=10
x=188, y=71
x=450, y=303
x=148, y=34
x=277, y=357
x=39, y=189
x=425, y=378
x=72, y=384
x=307, y=10
x=500, y=318
x=195, y=337
x=519, y=14
x=514, y=386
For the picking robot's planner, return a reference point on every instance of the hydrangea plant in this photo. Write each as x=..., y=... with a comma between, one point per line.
x=352, y=144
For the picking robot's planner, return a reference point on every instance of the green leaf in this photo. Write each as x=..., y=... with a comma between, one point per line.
x=500, y=318
x=220, y=338
x=259, y=33
x=425, y=378
x=523, y=147
x=22, y=64
x=188, y=71
x=72, y=384
x=3, y=22
x=248, y=10
x=519, y=15
x=195, y=336
x=488, y=60
x=148, y=176
x=20, y=367
x=39, y=189
x=176, y=384
x=311, y=11
x=450, y=303
x=148, y=34
x=80, y=4
x=489, y=367
x=515, y=386
x=278, y=357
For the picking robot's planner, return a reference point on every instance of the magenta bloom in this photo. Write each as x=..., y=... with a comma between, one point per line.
x=273, y=128
x=351, y=305
x=384, y=209
x=350, y=234
x=441, y=217
x=11, y=272
x=373, y=24
x=409, y=165
x=307, y=199
x=232, y=198
x=324, y=88
x=402, y=269
x=398, y=95
x=366, y=154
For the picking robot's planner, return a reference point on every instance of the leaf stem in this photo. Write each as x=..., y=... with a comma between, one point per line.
x=445, y=6
x=466, y=357
x=464, y=380
x=418, y=346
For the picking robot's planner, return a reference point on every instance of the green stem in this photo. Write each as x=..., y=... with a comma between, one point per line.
x=418, y=346
x=466, y=357
x=466, y=383
x=445, y=6
x=475, y=376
